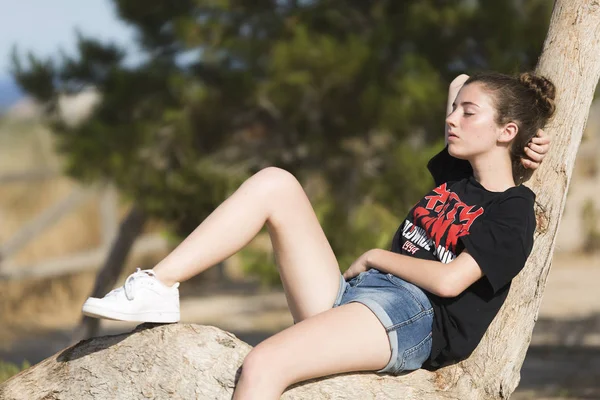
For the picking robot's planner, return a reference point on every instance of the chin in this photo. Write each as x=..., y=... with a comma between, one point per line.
x=456, y=152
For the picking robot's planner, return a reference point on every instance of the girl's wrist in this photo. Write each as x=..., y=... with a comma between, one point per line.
x=369, y=257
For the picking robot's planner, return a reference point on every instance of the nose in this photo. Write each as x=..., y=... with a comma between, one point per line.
x=451, y=119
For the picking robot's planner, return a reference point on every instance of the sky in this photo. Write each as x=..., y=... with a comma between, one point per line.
x=44, y=26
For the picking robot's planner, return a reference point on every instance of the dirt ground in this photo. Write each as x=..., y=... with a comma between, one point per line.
x=563, y=361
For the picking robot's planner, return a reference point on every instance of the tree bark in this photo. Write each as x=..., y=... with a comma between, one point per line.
x=182, y=361
x=188, y=361
x=129, y=230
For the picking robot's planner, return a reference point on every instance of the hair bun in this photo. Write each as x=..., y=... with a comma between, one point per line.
x=544, y=90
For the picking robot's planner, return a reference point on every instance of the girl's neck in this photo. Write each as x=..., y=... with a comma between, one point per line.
x=493, y=171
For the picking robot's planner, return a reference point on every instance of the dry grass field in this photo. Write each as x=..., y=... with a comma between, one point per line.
x=28, y=147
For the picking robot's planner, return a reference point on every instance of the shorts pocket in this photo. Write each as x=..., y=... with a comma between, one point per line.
x=414, y=357
x=357, y=279
x=415, y=292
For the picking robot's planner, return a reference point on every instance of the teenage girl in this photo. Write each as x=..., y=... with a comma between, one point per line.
x=428, y=301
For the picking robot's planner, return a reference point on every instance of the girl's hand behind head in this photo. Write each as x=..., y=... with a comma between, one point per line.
x=536, y=150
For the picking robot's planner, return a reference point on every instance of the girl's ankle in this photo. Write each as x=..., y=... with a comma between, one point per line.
x=164, y=280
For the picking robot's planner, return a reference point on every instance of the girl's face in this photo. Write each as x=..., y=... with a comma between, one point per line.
x=472, y=130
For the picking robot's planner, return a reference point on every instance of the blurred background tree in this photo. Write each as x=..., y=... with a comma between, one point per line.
x=347, y=95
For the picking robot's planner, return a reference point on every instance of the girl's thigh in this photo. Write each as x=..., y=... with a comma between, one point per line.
x=308, y=267
x=343, y=339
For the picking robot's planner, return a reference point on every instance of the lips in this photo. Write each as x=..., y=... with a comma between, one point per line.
x=452, y=134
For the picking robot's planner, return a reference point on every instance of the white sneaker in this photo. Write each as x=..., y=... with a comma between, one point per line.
x=143, y=298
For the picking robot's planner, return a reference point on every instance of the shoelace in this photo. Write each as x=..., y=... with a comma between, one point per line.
x=129, y=288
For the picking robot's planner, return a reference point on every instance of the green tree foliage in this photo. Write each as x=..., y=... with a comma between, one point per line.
x=350, y=91
x=8, y=370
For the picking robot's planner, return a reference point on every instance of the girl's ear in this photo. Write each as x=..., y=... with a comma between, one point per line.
x=509, y=132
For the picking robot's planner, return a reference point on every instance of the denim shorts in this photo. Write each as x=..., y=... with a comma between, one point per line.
x=403, y=309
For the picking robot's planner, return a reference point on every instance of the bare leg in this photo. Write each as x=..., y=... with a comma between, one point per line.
x=343, y=339
x=308, y=267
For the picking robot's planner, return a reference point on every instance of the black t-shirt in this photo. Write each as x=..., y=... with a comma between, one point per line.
x=495, y=227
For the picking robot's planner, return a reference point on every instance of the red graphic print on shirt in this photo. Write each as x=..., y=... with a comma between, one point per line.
x=445, y=218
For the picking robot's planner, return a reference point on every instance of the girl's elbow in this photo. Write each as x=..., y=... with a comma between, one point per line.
x=456, y=278
x=449, y=288
x=446, y=290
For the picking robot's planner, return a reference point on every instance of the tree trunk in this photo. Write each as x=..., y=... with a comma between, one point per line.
x=187, y=361
x=129, y=230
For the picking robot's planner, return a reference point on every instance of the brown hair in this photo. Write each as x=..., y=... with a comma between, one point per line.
x=528, y=101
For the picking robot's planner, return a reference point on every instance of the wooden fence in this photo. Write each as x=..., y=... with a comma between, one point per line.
x=78, y=261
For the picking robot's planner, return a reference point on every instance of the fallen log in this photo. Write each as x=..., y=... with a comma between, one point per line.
x=186, y=361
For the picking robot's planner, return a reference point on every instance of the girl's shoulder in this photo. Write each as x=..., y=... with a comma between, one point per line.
x=520, y=191
x=515, y=204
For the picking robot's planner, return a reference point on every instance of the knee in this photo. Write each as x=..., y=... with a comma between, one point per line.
x=251, y=368
x=277, y=183
x=259, y=371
